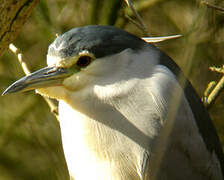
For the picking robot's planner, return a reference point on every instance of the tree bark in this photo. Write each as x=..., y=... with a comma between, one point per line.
x=13, y=15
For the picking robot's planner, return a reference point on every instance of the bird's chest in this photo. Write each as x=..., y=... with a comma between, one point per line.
x=93, y=150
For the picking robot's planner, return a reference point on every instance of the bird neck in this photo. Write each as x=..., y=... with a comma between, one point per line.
x=99, y=149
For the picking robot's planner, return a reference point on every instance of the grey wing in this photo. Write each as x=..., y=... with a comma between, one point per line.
x=188, y=147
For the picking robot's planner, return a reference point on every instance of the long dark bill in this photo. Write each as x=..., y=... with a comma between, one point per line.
x=46, y=77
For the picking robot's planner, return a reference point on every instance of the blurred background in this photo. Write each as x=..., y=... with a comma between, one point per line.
x=30, y=144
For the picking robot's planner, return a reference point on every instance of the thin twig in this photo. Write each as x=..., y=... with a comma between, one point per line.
x=208, y=90
x=141, y=25
x=136, y=23
x=20, y=57
x=213, y=6
x=213, y=90
x=138, y=17
x=219, y=70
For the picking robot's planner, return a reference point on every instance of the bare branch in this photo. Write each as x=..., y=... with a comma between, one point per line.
x=20, y=57
x=141, y=25
x=219, y=70
x=213, y=89
x=138, y=17
x=215, y=92
x=135, y=23
x=213, y=6
x=208, y=90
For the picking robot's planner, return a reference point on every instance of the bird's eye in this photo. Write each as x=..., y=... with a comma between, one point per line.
x=83, y=61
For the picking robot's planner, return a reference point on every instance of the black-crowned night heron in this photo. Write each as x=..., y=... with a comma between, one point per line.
x=125, y=113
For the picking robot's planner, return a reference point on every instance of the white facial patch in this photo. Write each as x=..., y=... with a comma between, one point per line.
x=59, y=62
x=66, y=62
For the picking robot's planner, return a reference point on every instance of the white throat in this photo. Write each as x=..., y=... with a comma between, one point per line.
x=103, y=152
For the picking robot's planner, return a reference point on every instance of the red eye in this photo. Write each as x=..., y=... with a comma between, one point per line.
x=83, y=61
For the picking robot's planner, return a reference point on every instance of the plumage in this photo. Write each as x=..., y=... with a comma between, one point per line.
x=130, y=113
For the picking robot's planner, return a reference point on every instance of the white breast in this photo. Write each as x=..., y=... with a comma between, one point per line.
x=93, y=151
x=81, y=162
